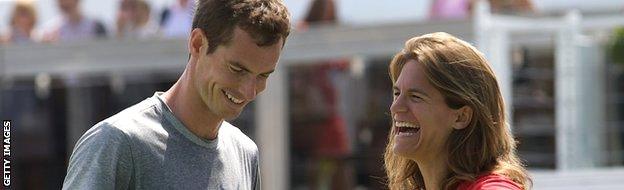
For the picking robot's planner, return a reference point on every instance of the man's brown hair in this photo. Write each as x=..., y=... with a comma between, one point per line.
x=266, y=21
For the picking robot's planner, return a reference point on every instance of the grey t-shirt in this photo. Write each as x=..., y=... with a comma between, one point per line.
x=146, y=147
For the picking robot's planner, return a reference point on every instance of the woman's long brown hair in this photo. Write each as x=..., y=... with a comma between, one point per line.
x=461, y=73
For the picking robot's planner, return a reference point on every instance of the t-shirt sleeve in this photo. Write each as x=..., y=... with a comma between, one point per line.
x=102, y=159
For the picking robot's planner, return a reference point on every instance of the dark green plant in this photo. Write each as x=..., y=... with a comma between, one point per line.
x=616, y=47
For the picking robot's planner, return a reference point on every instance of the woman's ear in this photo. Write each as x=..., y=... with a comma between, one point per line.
x=464, y=116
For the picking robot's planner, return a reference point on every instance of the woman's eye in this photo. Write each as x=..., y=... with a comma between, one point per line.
x=416, y=97
x=396, y=94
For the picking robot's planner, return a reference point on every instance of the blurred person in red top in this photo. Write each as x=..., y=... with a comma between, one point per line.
x=321, y=12
x=449, y=129
x=23, y=20
x=329, y=167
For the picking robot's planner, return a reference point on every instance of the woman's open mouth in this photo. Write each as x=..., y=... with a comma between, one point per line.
x=406, y=128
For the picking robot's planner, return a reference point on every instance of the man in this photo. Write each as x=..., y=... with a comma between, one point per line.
x=179, y=139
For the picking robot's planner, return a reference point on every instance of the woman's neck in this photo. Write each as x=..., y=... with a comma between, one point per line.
x=434, y=171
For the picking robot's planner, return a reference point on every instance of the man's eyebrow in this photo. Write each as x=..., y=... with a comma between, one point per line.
x=238, y=64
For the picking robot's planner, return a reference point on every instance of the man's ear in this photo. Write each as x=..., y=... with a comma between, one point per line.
x=464, y=116
x=198, y=43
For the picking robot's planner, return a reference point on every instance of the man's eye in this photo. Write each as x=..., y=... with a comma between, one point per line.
x=397, y=93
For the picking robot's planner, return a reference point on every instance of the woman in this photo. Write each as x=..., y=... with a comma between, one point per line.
x=23, y=20
x=449, y=129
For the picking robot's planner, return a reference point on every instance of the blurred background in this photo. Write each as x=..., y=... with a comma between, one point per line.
x=323, y=121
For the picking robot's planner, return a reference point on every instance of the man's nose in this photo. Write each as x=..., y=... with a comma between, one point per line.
x=249, y=89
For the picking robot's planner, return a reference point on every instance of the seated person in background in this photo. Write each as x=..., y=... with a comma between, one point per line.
x=133, y=20
x=176, y=19
x=459, y=9
x=73, y=25
x=23, y=20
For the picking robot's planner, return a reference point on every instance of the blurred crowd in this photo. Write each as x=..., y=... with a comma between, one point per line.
x=136, y=19
x=133, y=21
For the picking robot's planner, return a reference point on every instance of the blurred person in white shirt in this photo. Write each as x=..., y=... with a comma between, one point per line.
x=177, y=19
x=73, y=25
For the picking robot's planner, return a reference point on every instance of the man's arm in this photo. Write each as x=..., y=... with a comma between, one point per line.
x=102, y=159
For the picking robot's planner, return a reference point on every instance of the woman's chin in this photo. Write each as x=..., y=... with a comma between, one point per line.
x=405, y=151
x=406, y=145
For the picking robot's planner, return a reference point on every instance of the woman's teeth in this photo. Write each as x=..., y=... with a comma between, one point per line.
x=405, y=124
x=406, y=128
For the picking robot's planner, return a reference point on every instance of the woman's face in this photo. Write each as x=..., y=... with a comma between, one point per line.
x=422, y=119
x=23, y=21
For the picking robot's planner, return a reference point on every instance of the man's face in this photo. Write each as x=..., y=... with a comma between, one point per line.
x=232, y=76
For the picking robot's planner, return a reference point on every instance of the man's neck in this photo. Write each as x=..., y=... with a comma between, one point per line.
x=433, y=170
x=188, y=107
